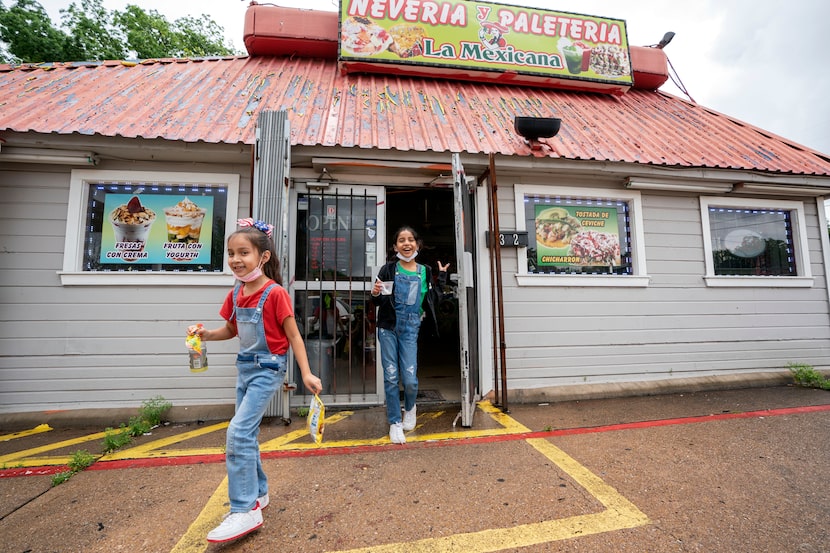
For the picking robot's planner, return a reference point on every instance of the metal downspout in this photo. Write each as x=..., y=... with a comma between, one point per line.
x=495, y=253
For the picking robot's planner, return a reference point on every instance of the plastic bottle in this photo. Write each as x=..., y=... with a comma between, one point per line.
x=197, y=350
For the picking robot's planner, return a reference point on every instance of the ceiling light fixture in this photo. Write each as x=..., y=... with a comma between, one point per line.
x=323, y=181
x=780, y=189
x=676, y=186
x=47, y=155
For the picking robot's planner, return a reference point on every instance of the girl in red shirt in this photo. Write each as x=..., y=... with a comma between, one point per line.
x=259, y=311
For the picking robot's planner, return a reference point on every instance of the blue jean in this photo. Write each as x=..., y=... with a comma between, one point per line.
x=399, y=359
x=255, y=386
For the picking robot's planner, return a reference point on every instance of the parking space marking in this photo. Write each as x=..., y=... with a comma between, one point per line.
x=194, y=539
x=23, y=433
x=619, y=513
x=26, y=458
x=153, y=448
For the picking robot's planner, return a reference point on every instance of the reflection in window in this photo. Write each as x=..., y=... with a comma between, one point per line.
x=577, y=235
x=336, y=237
x=752, y=242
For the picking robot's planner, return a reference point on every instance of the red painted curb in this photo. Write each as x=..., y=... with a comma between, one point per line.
x=149, y=462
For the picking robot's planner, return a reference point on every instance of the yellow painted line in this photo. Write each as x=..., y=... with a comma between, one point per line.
x=194, y=540
x=148, y=449
x=36, y=430
x=50, y=447
x=57, y=460
x=619, y=513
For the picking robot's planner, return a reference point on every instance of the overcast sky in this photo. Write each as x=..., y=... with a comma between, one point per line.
x=760, y=61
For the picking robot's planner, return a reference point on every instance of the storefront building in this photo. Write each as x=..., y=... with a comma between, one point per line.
x=650, y=239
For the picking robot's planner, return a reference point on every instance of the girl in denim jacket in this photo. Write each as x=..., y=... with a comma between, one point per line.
x=402, y=305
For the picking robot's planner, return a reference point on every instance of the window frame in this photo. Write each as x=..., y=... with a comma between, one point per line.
x=72, y=273
x=638, y=278
x=804, y=279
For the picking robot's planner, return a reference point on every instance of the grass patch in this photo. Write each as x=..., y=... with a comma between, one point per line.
x=805, y=375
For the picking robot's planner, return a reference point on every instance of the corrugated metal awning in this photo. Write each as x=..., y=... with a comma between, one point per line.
x=218, y=100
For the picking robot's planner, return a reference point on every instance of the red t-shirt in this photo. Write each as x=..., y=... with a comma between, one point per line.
x=277, y=308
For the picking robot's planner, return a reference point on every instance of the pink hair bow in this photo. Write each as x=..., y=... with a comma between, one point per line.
x=268, y=229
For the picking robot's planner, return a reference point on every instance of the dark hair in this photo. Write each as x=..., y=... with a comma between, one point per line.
x=262, y=243
x=405, y=228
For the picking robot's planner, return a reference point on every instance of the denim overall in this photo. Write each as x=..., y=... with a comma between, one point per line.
x=260, y=374
x=399, y=347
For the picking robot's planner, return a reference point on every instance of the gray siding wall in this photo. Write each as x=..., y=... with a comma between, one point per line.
x=70, y=347
x=677, y=327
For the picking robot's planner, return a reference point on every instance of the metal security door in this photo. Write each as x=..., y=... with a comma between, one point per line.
x=467, y=312
x=338, y=243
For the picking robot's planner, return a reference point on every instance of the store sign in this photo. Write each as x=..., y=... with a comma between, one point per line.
x=577, y=236
x=498, y=42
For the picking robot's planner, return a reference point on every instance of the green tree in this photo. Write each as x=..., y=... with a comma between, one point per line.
x=89, y=32
x=29, y=35
x=93, y=35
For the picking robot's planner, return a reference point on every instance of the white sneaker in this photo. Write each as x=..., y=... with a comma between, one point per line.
x=236, y=525
x=396, y=433
x=263, y=501
x=409, y=419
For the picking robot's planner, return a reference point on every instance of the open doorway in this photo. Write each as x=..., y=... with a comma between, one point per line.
x=430, y=212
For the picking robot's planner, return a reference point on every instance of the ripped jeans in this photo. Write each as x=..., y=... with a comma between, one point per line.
x=399, y=359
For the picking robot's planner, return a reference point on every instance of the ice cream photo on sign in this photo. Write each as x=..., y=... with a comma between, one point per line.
x=131, y=224
x=184, y=226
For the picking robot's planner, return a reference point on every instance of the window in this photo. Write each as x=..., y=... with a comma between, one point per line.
x=141, y=224
x=580, y=237
x=754, y=242
x=336, y=236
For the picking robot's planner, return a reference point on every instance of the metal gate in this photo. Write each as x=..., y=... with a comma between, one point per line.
x=338, y=245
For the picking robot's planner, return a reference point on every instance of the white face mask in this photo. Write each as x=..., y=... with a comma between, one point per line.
x=407, y=259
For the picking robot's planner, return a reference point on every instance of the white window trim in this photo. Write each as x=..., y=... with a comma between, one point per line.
x=802, y=256
x=821, y=208
x=639, y=278
x=72, y=275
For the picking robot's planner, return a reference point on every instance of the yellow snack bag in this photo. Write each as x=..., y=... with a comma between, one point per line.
x=316, y=419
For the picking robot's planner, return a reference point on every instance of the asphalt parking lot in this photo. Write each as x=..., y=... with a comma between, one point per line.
x=728, y=471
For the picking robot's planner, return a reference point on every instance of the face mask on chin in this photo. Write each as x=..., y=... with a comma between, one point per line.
x=253, y=275
x=402, y=257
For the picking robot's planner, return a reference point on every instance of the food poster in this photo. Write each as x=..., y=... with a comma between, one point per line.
x=156, y=229
x=581, y=236
x=486, y=36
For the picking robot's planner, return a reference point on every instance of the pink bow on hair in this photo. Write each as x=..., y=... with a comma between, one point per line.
x=267, y=228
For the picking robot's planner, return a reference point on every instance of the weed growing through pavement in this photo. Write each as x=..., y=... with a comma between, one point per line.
x=116, y=439
x=81, y=459
x=805, y=375
x=154, y=409
x=149, y=416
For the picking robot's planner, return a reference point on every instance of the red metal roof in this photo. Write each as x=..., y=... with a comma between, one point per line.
x=218, y=100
